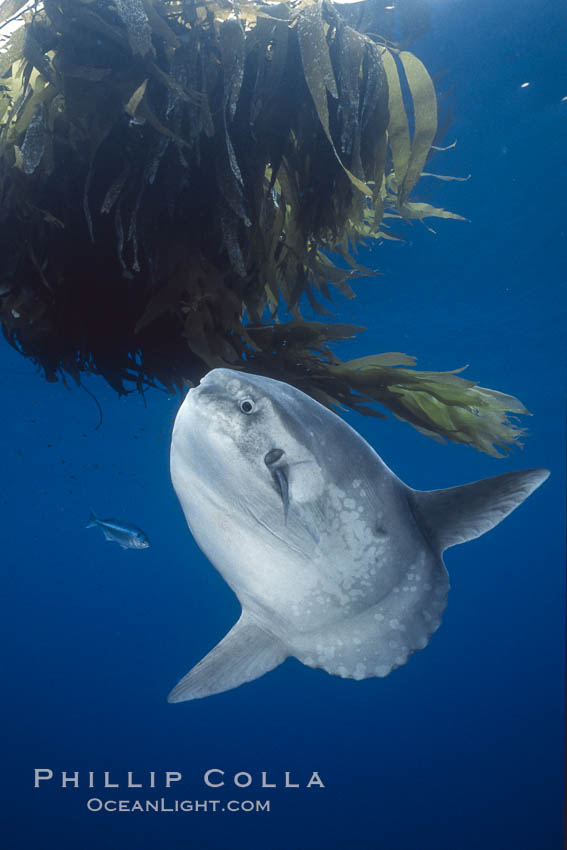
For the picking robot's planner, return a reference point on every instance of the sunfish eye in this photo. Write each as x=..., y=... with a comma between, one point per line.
x=247, y=405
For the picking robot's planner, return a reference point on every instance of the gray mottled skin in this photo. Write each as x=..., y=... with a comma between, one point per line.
x=334, y=559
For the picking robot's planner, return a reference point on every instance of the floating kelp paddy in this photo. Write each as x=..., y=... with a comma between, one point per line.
x=177, y=175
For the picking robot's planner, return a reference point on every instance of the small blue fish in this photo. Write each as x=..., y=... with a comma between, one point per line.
x=127, y=536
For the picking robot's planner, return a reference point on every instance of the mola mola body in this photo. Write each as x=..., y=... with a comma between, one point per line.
x=335, y=561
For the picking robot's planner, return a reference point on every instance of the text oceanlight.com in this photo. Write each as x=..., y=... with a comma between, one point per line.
x=95, y=804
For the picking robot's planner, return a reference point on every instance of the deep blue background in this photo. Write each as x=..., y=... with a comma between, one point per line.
x=459, y=750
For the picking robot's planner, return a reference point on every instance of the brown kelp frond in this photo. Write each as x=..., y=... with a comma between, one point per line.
x=442, y=405
x=176, y=174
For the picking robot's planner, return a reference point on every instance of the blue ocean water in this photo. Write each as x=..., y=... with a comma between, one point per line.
x=460, y=749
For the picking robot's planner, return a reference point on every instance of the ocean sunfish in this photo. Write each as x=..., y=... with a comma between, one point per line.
x=334, y=560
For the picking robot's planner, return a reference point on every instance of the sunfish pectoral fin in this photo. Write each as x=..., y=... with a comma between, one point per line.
x=244, y=654
x=459, y=514
x=280, y=476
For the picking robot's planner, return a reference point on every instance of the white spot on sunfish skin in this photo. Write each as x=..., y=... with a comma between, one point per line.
x=309, y=581
x=233, y=387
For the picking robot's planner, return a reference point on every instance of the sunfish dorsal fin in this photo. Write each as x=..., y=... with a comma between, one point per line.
x=458, y=514
x=245, y=653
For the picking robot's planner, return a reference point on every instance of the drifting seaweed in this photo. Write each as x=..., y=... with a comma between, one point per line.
x=174, y=174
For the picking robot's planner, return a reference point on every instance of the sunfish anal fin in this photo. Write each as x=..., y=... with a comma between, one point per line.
x=449, y=517
x=245, y=653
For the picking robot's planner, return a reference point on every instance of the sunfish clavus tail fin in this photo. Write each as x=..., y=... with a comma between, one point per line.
x=453, y=516
x=245, y=653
